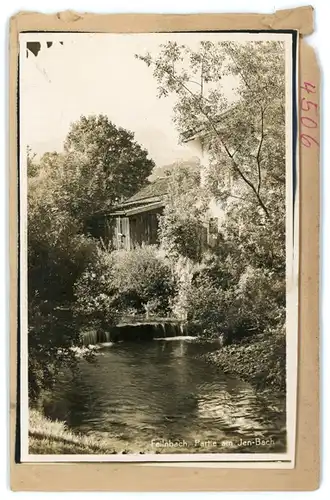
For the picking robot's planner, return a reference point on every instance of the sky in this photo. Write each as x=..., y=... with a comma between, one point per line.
x=98, y=73
x=92, y=74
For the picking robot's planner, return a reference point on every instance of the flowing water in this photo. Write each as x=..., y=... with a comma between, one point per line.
x=162, y=397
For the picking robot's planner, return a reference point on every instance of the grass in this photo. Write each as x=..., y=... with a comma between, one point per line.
x=53, y=437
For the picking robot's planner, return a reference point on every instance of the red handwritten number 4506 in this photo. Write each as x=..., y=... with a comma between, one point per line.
x=306, y=121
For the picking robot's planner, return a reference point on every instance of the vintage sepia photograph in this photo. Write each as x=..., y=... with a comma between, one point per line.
x=158, y=208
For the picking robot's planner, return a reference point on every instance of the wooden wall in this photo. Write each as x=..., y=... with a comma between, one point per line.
x=136, y=229
x=121, y=238
x=128, y=232
x=144, y=228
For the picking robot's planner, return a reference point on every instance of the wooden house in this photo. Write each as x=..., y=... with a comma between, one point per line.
x=134, y=221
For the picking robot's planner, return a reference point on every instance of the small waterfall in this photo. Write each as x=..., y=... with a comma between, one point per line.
x=168, y=332
x=93, y=337
x=183, y=329
x=172, y=329
x=89, y=337
x=132, y=332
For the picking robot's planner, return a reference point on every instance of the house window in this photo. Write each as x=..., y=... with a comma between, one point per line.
x=213, y=225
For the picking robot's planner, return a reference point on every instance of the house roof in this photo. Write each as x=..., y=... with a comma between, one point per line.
x=203, y=132
x=138, y=209
x=158, y=188
x=150, y=197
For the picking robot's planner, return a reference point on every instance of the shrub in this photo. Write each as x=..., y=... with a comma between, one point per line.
x=123, y=282
x=143, y=279
x=181, y=232
x=222, y=299
x=96, y=295
x=257, y=301
x=206, y=307
x=217, y=268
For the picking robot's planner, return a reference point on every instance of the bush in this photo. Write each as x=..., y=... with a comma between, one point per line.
x=123, y=282
x=217, y=268
x=206, y=307
x=144, y=280
x=182, y=225
x=181, y=233
x=222, y=299
x=96, y=296
x=257, y=302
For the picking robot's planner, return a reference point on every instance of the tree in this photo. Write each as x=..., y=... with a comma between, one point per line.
x=32, y=166
x=103, y=164
x=246, y=136
x=183, y=222
x=100, y=164
x=143, y=279
x=240, y=287
x=120, y=282
x=57, y=249
x=254, y=239
x=57, y=255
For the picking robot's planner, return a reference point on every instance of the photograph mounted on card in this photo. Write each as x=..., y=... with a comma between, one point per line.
x=159, y=272
x=164, y=268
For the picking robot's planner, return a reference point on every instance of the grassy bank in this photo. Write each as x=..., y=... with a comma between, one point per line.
x=259, y=360
x=53, y=437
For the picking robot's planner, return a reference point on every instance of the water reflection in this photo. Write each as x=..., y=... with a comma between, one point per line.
x=163, y=390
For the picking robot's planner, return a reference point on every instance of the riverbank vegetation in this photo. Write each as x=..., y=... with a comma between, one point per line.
x=259, y=360
x=53, y=437
x=232, y=287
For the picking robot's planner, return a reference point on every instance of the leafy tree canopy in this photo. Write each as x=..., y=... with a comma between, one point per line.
x=246, y=134
x=105, y=160
x=101, y=163
x=181, y=227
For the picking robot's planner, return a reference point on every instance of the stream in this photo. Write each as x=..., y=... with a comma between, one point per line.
x=163, y=397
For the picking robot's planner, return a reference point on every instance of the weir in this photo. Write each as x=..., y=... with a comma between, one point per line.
x=132, y=332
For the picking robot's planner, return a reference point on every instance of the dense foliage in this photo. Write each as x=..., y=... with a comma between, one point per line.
x=144, y=279
x=246, y=131
x=237, y=288
x=95, y=292
x=182, y=224
x=123, y=283
x=232, y=287
x=64, y=189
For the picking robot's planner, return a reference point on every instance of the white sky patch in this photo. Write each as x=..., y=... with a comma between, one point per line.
x=98, y=73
